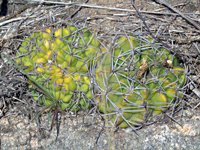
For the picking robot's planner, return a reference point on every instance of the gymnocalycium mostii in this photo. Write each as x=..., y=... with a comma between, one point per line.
x=60, y=61
x=138, y=76
x=138, y=83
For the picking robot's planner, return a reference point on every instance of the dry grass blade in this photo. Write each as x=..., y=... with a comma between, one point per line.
x=46, y=107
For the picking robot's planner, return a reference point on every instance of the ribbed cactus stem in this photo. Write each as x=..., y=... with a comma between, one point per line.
x=133, y=79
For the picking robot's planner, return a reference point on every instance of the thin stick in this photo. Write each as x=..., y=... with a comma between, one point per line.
x=79, y=8
x=53, y=120
x=165, y=44
x=102, y=7
x=18, y=12
x=178, y=12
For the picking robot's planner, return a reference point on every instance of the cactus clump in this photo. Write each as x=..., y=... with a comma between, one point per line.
x=133, y=79
x=137, y=78
x=60, y=62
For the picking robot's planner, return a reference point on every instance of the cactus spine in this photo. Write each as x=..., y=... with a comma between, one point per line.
x=139, y=77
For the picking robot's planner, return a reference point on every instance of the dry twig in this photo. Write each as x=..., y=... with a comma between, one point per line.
x=177, y=11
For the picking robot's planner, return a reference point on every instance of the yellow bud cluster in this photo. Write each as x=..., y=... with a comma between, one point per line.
x=58, y=62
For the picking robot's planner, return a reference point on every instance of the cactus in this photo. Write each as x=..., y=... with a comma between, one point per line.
x=60, y=64
x=133, y=79
x=138, y=81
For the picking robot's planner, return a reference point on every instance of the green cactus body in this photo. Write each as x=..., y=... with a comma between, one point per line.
x=132, y=80
x=148, y=89
x=60, y=66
